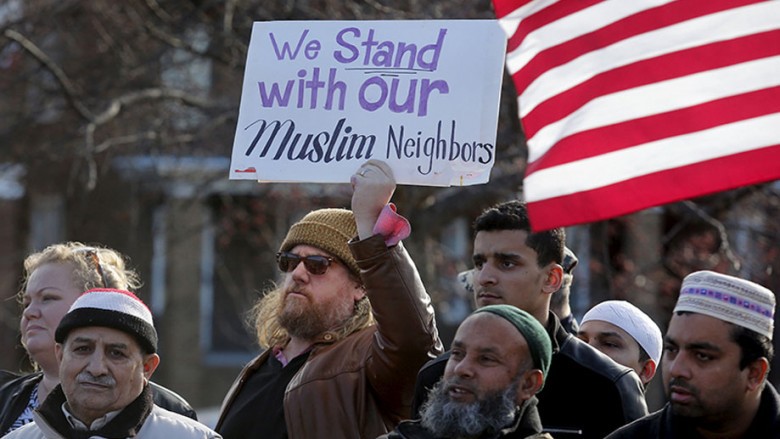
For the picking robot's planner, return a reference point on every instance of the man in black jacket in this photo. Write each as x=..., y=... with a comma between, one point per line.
x=516, y=267
x=717, y=352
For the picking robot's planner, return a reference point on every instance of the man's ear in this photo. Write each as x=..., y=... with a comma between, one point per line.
x=554, y=278
x=58, y=352
x=757, y=371
x=151, y=361
x=647, y=372
x=530, y=383
x=358, y=292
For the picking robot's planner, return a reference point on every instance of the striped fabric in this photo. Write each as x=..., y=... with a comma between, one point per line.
x=631, y=104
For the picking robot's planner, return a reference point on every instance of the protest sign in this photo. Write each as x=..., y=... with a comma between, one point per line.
x=321, y=97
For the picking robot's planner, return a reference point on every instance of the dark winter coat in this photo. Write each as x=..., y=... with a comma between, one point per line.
x=664, y=425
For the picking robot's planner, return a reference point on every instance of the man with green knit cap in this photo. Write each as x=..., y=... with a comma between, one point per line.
x=500, y=357
x=346, y=330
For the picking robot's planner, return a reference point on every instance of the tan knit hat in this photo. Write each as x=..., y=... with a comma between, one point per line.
x=326, y=229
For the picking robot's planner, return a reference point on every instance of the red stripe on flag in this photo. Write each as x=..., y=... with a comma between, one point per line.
x=682, y=63
x=546, y=16
x=506, y=7
x=669, y=186
x=647, y=129
x=572, y=103
x=642, y=22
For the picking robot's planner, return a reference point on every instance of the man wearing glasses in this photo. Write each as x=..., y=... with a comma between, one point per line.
x=345, y=332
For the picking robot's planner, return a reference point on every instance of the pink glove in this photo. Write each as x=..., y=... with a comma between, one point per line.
x=392, y=226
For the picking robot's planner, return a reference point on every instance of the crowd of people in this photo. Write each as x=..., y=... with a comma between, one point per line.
x=351, y=348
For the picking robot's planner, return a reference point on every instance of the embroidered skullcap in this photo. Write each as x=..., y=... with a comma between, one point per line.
x=534, y=333
x=110, y=308
x=326, y=229
x=632, y=320
x=728, y=298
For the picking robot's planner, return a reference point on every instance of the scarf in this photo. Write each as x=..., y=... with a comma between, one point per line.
x=125, y=424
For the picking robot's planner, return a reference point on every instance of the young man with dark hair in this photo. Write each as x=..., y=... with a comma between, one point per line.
x=516, y=267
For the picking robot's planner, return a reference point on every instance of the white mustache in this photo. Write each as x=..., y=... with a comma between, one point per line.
x=88, y=378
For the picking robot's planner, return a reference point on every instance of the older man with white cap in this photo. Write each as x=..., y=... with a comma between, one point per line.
x=625, y=334
x=717, y=352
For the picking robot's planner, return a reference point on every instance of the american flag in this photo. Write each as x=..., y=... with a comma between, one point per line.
x=629, y=104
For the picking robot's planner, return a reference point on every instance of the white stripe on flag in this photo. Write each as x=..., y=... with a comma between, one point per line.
x=691, y=33
x=511, y=21
x=614, y=167
x=570, y=27
x=658, y=98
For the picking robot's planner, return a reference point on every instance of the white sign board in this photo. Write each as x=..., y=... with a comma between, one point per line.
x=322, y=97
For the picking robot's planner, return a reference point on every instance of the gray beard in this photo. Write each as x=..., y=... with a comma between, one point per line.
x=444, y=418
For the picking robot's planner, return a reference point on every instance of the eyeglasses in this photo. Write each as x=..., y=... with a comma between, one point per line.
x=91, y=254
x=315, y=264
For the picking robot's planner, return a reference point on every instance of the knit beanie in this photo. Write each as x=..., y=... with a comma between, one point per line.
x=328, y=230
x=110, y=308
x=729, y=298
x=534, y=333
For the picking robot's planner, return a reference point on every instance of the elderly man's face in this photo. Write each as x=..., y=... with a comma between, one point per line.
x=315, y=303
x=102, y=370
x=489, y=373
x=487, y=355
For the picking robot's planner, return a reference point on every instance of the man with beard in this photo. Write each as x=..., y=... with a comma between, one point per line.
x=717, y=353
x=518, y=267
x=345, y=332
x=500, y=356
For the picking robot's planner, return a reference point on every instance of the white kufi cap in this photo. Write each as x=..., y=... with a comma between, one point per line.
x=632, y=320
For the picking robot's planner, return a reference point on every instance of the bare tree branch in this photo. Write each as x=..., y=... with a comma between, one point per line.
x=725, y=247
x=117, y=104
x=385, y=9
x=158, y=11
x=67, y=86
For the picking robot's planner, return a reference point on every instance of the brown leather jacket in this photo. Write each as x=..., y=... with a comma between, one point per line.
x=362, y=386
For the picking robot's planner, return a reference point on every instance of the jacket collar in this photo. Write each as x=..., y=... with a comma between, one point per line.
x=766, y=422
x=125, y=424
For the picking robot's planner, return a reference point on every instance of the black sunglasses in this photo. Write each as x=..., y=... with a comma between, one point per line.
x=315, y=264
